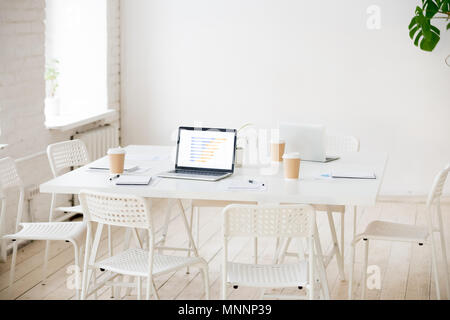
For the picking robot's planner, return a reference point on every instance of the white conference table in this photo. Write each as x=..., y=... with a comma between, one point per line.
x=310, y=188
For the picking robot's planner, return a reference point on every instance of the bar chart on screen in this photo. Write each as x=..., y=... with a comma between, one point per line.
x=206, y=149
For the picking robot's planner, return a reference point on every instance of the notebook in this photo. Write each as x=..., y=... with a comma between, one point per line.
x=133, y=180
x=353, y=174
x=103, y=165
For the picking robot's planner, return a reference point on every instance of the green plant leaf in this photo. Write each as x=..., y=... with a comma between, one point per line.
x=444, y=5
x=425, y=35
x=430, y=7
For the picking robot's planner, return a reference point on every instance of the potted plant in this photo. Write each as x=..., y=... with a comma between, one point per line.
x=52, y=101
x=421, y=30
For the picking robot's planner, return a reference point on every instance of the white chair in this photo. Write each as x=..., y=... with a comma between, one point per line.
x=290, y=221
x=72, y=232
x=389, y=231
x=130, y=212
x=62, y=156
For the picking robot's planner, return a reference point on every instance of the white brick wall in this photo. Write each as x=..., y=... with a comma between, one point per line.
x=22, y=91
x=113, y=20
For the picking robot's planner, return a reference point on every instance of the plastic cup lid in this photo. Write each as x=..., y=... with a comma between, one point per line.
x=277, y=141
x=118, y=150
x=292, y=155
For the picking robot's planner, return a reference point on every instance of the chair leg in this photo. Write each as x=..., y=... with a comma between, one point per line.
x=444, y=256
x=435, y=268
x=352, y=267
x=255, y=250
x=2, y=250
x=224, y=291
x=204, y=270
x=364, y=269
x=444, y=251
x=77, y=271
x=197, y=225
x=191, y=222
x=342, y=234
x=321, y=267
x=148, y=288
x=139, y=288
x=94, y=274
x=155, y=292
x=110, y=253
x=44, y=268
x=13, y=270
x=165, y=229
x=336, y=249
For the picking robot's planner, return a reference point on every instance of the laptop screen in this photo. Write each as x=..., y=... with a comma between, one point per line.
x=206, y=148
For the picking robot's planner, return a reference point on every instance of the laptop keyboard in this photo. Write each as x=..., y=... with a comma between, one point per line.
x=199, y=173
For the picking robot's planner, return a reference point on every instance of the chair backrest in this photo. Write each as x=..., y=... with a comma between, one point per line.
x=66, y=154
x=9, y=177
x=338, y=144
x=294, y=221
x=115, y=209
x=438, y=185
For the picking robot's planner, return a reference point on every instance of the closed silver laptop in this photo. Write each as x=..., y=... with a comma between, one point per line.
x=204, y=154
x=308, y=140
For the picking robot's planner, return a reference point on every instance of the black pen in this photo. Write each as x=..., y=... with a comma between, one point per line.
x=251, y=181
x=115, y=177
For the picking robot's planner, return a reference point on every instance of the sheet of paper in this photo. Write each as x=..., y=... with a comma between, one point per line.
x=133, y=180
x=246, y=185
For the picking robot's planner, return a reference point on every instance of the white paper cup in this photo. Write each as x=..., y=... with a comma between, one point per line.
x=291, y=163
x=116, y=160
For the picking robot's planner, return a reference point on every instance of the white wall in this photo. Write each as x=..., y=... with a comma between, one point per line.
x=228, y=62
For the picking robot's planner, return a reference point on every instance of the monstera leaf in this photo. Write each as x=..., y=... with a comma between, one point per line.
x=425, y=35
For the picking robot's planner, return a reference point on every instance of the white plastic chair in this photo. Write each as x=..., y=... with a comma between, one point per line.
x=72, y=232
x=389, y=231
x=130, y=212
x=290, y=221
x=62, y=156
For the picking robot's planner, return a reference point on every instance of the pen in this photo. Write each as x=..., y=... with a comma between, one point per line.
x=252, y=181
x=114, y=177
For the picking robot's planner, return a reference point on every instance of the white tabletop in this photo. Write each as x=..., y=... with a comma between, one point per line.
x=310, y=188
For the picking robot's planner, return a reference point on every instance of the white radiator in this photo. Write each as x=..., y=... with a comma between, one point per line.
x=99, y=140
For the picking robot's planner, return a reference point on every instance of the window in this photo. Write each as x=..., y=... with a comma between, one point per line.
x=76, y=36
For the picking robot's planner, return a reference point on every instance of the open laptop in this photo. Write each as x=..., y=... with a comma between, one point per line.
x=204, y=154
x=308, y=140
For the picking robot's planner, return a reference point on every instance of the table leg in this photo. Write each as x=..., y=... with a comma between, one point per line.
x=336, y=249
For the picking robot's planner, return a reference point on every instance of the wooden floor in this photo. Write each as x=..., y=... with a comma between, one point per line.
x=405, y=268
